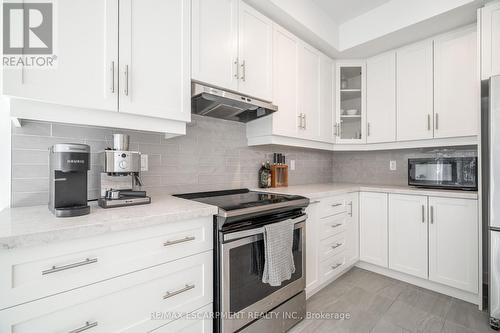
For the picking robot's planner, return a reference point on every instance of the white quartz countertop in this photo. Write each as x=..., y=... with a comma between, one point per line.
x=36, y=225
x=315, y=191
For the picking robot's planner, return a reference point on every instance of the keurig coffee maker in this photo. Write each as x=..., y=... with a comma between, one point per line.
x=68, y=167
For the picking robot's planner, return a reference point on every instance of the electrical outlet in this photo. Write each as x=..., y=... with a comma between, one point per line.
x=292, y=165
x=392, y=165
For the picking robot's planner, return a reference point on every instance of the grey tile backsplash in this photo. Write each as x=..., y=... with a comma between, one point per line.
x=213, y=155
x=372, y=167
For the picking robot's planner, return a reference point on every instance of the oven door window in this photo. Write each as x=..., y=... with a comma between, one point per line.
x=246, y=264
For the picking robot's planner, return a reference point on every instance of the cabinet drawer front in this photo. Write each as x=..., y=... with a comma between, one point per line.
x=333, y=266
x=125, y=304
x=333, y=225
x=30, y=273
x=333, y=206
x=332, y=246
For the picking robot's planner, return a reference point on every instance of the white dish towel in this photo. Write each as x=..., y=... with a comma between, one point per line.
x=278, y=243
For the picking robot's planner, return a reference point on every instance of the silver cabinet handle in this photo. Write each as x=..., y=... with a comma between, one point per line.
x=56, y=269
x=126, y=81
x=177, y=292
x=437, y=121
x=336, y=205
x=88, y=325
x=428, y=122
x=368, y=130
x=335, y=130
x=305, y=122
x=340, y=130
x=300, y=120
x=336, y=245
x=178, y=241
x=432, y=214
x=336, y=225
x=350, y=205
x=113, y=77
x=237, y=69
x=336, y=266
x=314, y=202
x=243, y=71
x=423, y=214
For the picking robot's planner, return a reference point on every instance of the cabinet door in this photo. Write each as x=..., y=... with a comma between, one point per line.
x=408, y=234
x=490, y=40
x=456, y=84
x=255, y=53
x=414, y=92
x=309, y=91
x=381, y=98
x=86, y=52
x=312, y=247
x=373, y=228
x=352, y=233
x=215, y=42
x=327, y=100
x=453, y=243
x=285, y=82
x=154, y=58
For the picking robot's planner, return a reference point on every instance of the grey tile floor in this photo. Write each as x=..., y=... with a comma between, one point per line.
x=380, y=304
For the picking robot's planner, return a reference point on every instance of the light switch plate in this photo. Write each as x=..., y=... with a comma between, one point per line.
x=292, y=165
x=392, y=165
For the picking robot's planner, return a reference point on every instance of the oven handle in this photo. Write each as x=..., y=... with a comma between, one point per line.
x=298, y=221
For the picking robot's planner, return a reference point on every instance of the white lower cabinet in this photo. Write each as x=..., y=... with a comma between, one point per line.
x=408, y=234
x=123, y=304
x=432, y=238
x=373, y=228
x=453, y=243
x=332, y=239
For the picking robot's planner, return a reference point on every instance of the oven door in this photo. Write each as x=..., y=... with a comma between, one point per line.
x=244, y=295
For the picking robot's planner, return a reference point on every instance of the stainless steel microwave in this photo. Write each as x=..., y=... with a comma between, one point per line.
x=458, y=173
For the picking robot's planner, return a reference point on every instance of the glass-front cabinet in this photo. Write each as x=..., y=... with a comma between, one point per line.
x=350, y=125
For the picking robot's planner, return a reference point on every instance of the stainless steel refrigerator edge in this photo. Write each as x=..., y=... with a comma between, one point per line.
x=491, y=147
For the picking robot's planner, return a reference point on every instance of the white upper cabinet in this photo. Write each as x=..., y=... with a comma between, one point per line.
x=87, y=55
x=215, y=42
x=350, y=102
x=490, y=40
x=456, y=84
x=285, y=83
x=414, y=91
x=327, y=100
x=232, y=47
x=255, y=53
x=309, y=91
x=381, y=98
x=157, y=88
x=373, y=228
x=408, y=234
x=453, y=242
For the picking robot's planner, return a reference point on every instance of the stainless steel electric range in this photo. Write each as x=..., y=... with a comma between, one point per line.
x=242, y=302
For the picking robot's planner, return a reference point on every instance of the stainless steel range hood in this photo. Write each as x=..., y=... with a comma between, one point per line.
x=223, y=104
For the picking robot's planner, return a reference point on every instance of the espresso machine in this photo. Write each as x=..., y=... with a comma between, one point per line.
x=68, y=167
x=120, y=182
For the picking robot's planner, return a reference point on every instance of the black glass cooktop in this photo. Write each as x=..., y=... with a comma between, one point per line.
x=232, y=200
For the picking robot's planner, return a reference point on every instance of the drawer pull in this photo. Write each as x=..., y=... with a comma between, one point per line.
x=56, y=269
x=336, y=245
x=337, y=204
x=336, y=225
x=177, y=292
x=314, y=202
x=177, y=241
x=336, y=266
x=88, y=325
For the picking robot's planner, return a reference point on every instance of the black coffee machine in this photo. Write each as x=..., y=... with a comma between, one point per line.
x=68, y=167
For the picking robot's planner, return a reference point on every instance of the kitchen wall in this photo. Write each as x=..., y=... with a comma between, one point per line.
x=213, y=155
x=372, y=167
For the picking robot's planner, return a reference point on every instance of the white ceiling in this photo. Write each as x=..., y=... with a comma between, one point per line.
x=344, y=10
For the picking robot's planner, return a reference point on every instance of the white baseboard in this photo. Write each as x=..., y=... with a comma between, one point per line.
x=453, y=292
